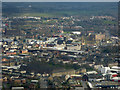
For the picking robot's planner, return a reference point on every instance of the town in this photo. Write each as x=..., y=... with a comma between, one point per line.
x=59, y=52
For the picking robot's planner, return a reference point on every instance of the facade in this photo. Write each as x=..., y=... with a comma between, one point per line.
x=63, y=72
x=73, y=47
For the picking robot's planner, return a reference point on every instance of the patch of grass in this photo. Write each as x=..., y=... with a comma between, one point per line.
x=110, y=22
x=37, y=14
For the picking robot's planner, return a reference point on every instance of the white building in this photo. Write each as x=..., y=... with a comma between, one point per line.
x=76, y=32
x=116, y=67
x=91, y=72
x=104, y=69
x=107, y=70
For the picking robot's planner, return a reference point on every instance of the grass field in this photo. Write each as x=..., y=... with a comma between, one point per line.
x=58, y=9
x=57, y=14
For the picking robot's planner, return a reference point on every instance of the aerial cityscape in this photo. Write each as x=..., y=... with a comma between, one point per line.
x=60, y=45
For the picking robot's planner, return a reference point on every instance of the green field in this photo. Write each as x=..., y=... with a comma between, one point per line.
x=58, y=9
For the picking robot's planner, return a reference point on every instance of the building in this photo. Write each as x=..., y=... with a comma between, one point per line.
x=73, y=47
x=63, y=72
x=24, y=51
x=99, y=37
x=17, y=88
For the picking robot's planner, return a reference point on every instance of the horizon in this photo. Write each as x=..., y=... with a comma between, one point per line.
x=59, y=1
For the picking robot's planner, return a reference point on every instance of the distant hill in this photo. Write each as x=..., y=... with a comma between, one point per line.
x=59, y=8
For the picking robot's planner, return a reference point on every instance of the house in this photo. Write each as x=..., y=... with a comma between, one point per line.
x=11, y=53
x=24, y=51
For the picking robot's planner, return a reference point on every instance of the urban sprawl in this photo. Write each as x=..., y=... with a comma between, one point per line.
x=59, y=53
